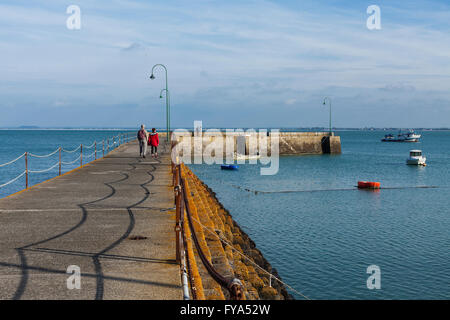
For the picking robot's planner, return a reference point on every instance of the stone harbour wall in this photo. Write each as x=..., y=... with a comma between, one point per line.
x=290, y=143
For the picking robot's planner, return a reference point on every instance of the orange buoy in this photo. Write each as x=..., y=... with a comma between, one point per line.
x=368, y=185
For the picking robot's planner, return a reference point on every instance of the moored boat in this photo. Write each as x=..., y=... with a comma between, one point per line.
x=388, y=138
x=409, y=136
x=238, y=156
x=229, y=167
x=416, y=158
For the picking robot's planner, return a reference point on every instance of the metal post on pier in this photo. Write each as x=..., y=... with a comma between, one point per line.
x=95, y=150
x=103, y=148
x=59, y=171
x=107, y=146
x=26, y=170
x=81, y=155
x=177, y=190
x=173, y=175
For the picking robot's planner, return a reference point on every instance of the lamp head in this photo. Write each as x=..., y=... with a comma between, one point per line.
x=152, y=76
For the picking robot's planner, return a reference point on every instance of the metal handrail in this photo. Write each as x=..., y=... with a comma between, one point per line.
x=234, y=286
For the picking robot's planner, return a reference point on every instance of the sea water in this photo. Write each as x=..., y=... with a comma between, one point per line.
x=324, y=233
x=13, y=143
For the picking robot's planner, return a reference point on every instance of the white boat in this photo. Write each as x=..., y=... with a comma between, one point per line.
x=238, y=156
x=416, y=158
x=410, y=136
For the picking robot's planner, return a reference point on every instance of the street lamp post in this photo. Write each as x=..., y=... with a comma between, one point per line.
x=167, y=94
x=167, y=98
x=329, y=102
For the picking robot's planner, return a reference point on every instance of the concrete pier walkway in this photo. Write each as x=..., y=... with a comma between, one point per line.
x=89, y=218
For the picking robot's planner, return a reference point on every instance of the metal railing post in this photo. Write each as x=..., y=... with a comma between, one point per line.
x=103, y=148
x=81, y=155
x=26, y=170
x=234, y=285
x=95, y=150
x=59, y=161
x=177, y=190
x=173, y=174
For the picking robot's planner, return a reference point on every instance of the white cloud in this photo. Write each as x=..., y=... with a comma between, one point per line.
x=258, y=51
x=290, y=101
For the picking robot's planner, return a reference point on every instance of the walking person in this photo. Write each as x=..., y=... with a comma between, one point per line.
x=153, y=141
x=142, y=137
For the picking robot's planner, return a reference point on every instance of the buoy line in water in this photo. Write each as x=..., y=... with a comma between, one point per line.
x=325, y=190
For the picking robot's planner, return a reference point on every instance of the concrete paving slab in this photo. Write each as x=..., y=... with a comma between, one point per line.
x=89, y=218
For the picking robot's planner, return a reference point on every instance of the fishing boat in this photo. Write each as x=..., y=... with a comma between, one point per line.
x=409, y=136
x=389, y=138
x=416, y=158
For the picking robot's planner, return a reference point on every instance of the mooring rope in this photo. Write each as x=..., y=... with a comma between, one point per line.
x=229, y=284
x=248, y=258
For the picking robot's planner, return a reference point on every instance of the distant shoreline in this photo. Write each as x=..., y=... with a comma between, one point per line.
x=204, y=128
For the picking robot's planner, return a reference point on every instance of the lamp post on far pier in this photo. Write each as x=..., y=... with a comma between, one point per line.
x=329, y=102
x=167, y=98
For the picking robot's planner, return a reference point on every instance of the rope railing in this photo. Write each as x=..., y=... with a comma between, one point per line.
x=44, y=170
x=12, y=161
x=91, y=146
x=13, y=180
x=71, y=151
x=104, y=147
x=71, y=162
x=42, y=156
x=90, y=155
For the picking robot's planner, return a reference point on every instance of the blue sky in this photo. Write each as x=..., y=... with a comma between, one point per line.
x=231, y=63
